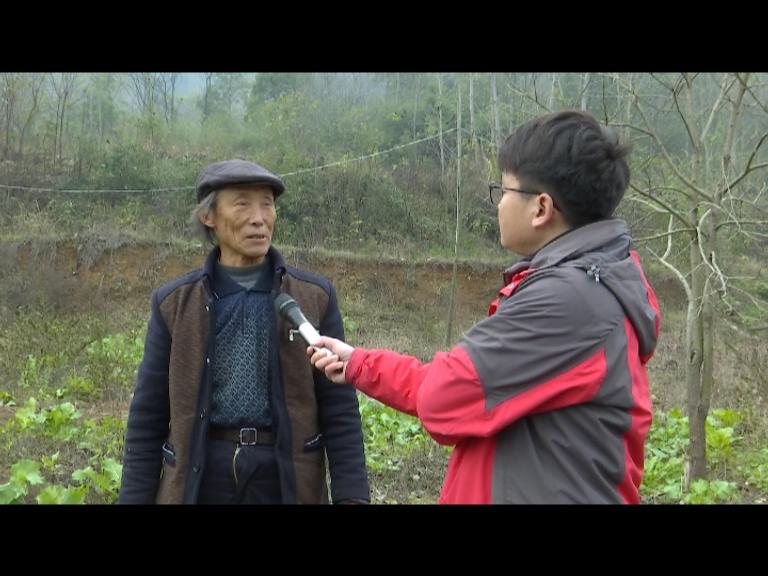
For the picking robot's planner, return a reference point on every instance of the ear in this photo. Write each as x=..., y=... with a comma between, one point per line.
x=207, y=218
x=544, y=210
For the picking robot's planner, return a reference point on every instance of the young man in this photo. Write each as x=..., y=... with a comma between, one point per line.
x=546, y=400
x=226, y=409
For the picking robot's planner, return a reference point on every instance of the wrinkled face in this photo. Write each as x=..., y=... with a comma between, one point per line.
x=516, y=211
x=243, y=220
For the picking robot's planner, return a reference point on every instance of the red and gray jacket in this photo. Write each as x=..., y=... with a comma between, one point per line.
x=547, y=399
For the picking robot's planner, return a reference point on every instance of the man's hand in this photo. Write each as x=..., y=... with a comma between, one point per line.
x=335, y=364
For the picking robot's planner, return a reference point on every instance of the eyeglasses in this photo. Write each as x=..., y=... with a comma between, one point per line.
x=496, y=192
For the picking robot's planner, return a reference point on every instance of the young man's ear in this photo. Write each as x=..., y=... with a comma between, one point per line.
x=545, y=210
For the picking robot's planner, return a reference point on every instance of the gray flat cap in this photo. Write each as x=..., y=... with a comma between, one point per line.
x=222, y=174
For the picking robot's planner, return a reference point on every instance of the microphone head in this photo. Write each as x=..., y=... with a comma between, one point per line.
x=289, y=309
x=283, y=303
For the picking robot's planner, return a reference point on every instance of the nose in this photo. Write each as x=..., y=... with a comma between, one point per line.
x=256, y=216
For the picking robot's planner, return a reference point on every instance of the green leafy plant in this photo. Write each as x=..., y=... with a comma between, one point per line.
x=60, y=422
x=105, y=481
x=754, y=469
x=664, y=475
x=389, y=434
x=6, y=399
x=720, y=435
x=54, y=494
x=24, y=473
x=112, y=361
x=711, y=492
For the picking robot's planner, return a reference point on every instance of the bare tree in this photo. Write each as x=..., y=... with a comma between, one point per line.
x=584, y=91
x=64, y=84
x=552, y=90
x=495, y=110
x=231, y=88
x=416, y=103
x=472, y=128
x=452, y=302
x=144, y=88
x=440, y=120
x=703, y=186
x=167, y=82
x=10, y=96
x=206, y=100
x=34, y=84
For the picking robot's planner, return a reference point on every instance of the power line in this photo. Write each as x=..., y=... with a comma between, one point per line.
x=191, y=187
x=73, y=191
x=340, y=162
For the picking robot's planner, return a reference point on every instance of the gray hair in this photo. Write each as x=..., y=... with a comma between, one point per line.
x=204, y=207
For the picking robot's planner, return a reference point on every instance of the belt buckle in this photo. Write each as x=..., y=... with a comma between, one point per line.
x=243, y=442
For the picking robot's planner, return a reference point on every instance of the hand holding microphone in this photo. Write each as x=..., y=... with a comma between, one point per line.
x=335, y=365
x=289, y=309
x=326, y=354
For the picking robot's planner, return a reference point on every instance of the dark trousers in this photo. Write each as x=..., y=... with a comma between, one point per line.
x=237, y=474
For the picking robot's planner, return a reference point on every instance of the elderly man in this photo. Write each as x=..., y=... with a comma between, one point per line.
x=227, y=409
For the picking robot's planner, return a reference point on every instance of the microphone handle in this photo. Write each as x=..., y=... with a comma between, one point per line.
x=311, y=337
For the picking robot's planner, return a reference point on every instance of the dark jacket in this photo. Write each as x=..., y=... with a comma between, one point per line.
x=547, y=399
x=165, y=443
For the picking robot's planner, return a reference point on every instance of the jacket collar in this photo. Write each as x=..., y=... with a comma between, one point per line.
x=279, y=268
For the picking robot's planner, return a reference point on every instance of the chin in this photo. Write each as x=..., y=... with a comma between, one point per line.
x=256, y=255
x=509, y=247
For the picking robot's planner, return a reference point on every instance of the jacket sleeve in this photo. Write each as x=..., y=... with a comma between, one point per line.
x=397, y=380
x=536, y=354
x=339, y=414
x=148, y=417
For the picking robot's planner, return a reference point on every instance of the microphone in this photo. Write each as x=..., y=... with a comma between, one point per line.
x=289, y=309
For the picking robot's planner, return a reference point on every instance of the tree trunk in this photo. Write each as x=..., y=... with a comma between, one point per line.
x=9, y=92
x=698, y=402
x=551, y=102
x=706, y=280
x=61, y=129
x=174, y=80
x=472, y=128
x=207, y=95
x=56, y=133
x=35, y=93
x=416, y=105
x=63, y=91
x=397, y=88
x=452, y=302
x=440, y=120
x=495, y=109
x=584, y=89
x=698, y=406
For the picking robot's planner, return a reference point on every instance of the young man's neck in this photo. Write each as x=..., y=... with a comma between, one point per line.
x=551, y=234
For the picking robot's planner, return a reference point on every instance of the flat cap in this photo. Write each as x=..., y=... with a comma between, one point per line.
x=222, y=174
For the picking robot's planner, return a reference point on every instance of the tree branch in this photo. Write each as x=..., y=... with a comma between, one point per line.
x=751, y=93
x=528, y=96
x=664, y=234
x=665, y=153
x=740, y=223
x=719, y=102
x=663, y=260
x=748, y=168
x=664, y=205
x=758, y=303
x=694, y=143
